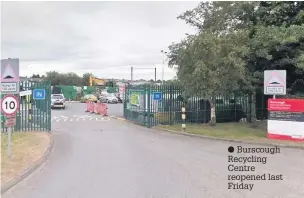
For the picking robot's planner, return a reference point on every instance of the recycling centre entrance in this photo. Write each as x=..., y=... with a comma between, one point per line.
x=34, y=113
x=149, y=105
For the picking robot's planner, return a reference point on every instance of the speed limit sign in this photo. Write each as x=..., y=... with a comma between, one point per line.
x=9, y=105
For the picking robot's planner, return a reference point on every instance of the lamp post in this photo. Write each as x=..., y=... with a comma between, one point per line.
x=163, y=65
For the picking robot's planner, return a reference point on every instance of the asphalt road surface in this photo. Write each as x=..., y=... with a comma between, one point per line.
x=115, y=159
x=116, y=109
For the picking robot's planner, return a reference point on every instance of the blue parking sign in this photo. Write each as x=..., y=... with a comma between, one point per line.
x=39, y=94
x=157, y=96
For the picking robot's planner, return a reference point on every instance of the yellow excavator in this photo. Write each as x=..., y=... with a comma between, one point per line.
x=93, y=81
x=97, y=81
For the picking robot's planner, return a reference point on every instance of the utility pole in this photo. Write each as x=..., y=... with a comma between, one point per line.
x=155, y=75
x=163, y=65
x=131, y=74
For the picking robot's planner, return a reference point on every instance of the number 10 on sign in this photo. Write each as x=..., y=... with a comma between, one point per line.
x=9, y=105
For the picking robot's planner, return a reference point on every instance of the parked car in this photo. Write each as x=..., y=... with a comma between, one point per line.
x=89, y=98
x=108, y=98
x=57, y=101
x=117, y=95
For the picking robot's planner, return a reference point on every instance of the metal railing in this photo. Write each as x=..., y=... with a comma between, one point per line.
x=33, y=115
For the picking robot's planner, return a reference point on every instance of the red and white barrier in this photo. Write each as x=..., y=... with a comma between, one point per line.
x=89, y=106
x=103, y=109
x=97, y=108
x=286, y=119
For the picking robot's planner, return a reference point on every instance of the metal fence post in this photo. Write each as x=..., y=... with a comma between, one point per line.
x=171, y=103
x=149, y=106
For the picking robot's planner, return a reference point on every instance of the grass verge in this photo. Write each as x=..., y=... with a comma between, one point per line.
x=234, y=131
x=27, y=148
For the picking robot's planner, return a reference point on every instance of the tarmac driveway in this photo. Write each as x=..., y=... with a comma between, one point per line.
x=115, y=159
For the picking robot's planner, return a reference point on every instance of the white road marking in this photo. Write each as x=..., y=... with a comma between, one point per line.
x=103, y=119
x=79, y=118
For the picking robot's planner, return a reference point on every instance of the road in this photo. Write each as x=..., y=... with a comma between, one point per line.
x=115, y=159
x=116, y=109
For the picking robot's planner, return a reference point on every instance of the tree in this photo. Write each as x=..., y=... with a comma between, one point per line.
x=110, y=83
x=35, y=76
x=209, y=64
x=86, y=79
x=53, y=77
x=277, y=42
x=221, y=17
x=63, y=79
x=236, y=42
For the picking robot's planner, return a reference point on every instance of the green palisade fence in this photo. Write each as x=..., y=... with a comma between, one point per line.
x=69, y=92
x=140, y=106
x=33, y=115
x=89, y=90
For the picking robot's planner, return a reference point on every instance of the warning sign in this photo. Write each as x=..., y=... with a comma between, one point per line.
x=275, y=82
x=10, y=76
x=8, y=73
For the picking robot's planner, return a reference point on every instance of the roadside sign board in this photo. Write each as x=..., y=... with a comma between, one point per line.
x=39, y=94
x=285, y=119
x=157, y=96
x=10, y=76
x=25, y=93
x=9, y=105
x=9, y=87
x=275, y=82
x=10, y=121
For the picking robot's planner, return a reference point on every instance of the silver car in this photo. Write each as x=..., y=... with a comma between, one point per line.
x=108, y=98
x=57, y=101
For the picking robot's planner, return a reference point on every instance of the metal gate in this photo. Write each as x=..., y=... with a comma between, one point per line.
x=150, y=105
x=33, y=115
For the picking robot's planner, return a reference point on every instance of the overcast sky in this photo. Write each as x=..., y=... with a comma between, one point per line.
x=104, y=38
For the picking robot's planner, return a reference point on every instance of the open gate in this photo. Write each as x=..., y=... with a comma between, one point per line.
x=33, y=115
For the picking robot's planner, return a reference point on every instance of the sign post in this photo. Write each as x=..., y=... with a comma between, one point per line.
x=275, y=82
x=9, y=107
x=10, y=103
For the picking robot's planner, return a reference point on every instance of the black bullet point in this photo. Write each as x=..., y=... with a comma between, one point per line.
x=230, y=149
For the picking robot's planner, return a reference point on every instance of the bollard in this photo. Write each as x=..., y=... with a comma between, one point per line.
x=184, y=118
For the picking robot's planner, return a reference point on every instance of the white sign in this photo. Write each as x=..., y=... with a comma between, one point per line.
x=9, y=105
x=10, y=76
x=25, y=93
x=275, y=82
x=8, y=87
